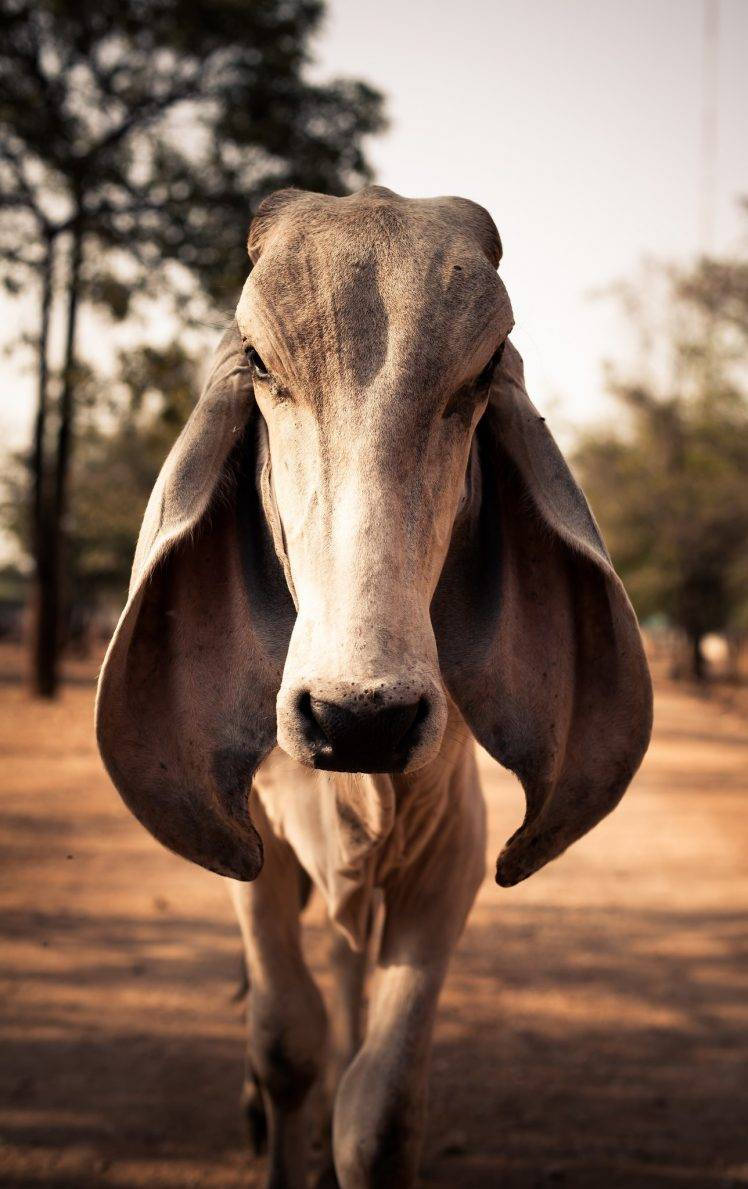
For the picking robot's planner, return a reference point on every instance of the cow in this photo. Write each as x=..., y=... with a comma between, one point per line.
x=364, y=552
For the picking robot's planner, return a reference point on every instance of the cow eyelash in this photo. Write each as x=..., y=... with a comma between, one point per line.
x=463, y=401
x=255, y=362
x=486, y=375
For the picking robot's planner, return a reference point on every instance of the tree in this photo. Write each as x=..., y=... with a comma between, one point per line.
x=124, y=431
x=135, y=137
x=123, y=440
x=669, y=485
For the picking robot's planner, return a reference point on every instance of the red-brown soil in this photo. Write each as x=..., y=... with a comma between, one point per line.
x=592, y=1032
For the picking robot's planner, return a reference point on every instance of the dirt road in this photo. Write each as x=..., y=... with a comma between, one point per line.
x=592, y=1032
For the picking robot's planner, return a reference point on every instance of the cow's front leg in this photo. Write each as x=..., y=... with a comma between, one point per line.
x=286, y=1016
x=349, y=969
x=380, y=1104
x=379, y=1109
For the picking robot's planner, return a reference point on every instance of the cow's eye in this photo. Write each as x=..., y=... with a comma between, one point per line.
x=255, y=362
x=465, y=399
x=487, y=374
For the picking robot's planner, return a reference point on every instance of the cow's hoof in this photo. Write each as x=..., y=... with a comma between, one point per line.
x=326, y=1179
x=254, y=1115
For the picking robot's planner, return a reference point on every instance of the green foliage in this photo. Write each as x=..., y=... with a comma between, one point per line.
x=152, y=129
x=125, y=432
x=669, y=484
x=121, y=447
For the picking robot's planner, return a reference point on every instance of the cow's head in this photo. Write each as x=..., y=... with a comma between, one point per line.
x=364, y=517
x=373, y=326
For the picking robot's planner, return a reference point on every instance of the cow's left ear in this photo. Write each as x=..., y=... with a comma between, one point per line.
x=538, y=642
x=186, y=701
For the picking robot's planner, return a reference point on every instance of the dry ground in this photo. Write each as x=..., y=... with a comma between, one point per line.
x=592, y=1032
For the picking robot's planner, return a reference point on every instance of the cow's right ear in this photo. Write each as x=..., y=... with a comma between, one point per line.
x=186, y=702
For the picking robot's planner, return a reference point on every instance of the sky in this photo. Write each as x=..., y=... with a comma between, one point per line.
x=577, y=123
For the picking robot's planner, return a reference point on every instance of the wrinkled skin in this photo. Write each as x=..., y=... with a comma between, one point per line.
x=375, y=336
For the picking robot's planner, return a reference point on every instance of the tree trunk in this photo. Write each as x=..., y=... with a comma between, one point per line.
x=44, y=614
x=698, y=668
x=65, y=429
x=735, y=642
x=53, y=519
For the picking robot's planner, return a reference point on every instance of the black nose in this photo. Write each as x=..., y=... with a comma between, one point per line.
x=361, y=737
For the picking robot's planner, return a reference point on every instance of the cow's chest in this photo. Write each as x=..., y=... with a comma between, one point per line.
x=349, y=832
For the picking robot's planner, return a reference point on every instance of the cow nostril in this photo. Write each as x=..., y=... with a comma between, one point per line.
x=382, y=725
x=422, y=712
x=361, y=735
x=311, y=726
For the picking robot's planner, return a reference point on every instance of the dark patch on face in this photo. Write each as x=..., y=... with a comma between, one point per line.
x=363, y=353
x=458, y=307
x=325, y=306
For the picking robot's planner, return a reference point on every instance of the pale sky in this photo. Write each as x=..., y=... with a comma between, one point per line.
x=578, y=123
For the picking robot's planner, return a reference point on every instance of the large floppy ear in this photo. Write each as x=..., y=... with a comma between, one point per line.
x=186, y=701
x=538, y=642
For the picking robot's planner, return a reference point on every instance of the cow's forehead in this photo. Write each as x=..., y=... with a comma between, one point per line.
x=348, y=282
x=317, y=238
x=286, y=212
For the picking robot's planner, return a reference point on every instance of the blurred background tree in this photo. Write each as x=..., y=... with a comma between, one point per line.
x=135, y=139
x=669, y=484
x=123, y=433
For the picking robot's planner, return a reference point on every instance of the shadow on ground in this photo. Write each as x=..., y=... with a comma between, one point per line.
x=591, y=1034
x=529, y=1085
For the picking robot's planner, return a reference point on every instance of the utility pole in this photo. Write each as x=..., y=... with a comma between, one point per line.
x=709, y=125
